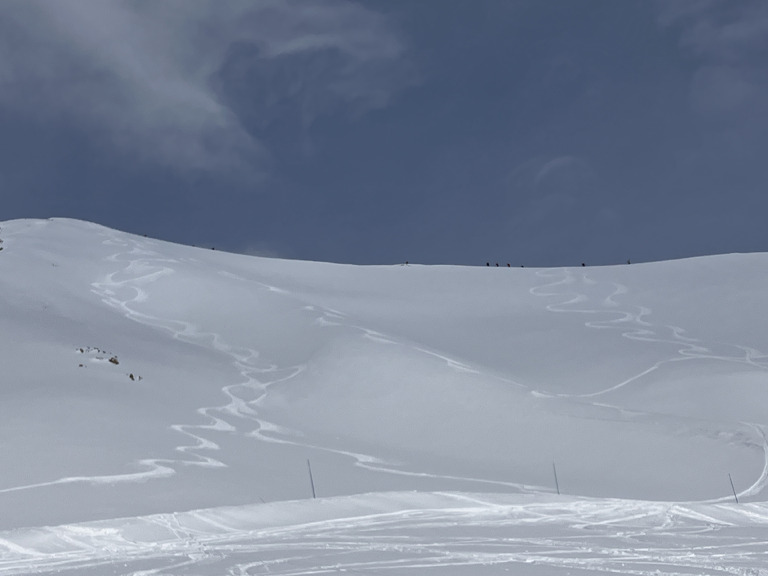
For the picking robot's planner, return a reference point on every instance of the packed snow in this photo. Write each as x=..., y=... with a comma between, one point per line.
x=163, y=406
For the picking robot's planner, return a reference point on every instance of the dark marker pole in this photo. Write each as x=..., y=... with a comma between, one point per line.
x=557, y=484
x=732, y=488
x=311, y=480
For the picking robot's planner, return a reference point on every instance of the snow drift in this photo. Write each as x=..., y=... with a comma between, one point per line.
x=145, y=378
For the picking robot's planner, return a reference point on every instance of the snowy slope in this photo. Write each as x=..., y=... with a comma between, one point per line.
x=431, y=401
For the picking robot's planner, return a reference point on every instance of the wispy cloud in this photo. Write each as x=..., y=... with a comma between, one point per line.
x=545, y=185
x=140, y=74
x=729, y=43
x=557, y=164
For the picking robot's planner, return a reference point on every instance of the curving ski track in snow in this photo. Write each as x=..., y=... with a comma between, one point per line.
x=631, y=320
x=633, y=323
x=127, y=287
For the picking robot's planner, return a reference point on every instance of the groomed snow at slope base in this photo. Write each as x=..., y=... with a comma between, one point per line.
x=143, y=379
x=408, y=533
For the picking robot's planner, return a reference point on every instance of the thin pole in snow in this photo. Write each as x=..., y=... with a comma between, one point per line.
x=311, y=480
x=732, y=488
x=554, y=470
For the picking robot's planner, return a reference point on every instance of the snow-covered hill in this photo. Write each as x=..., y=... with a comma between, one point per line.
x=160, y=404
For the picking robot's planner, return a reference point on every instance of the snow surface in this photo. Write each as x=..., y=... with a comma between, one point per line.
x=160, y=404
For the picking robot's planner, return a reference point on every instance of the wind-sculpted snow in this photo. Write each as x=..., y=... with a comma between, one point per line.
x=408, y=533
x=642, y=381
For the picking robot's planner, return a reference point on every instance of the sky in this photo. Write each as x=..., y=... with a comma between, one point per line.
x=372, y=132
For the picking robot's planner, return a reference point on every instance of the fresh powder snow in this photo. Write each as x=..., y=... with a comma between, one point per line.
x=163, y=405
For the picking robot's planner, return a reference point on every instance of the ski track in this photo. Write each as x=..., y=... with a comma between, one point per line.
x=244, y=397
x=126, y=288
x=687, y=348
x=586, y=536
x=640, y=329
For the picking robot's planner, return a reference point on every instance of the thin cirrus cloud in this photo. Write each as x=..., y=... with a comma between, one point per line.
x=554, y=165
x=140, y=75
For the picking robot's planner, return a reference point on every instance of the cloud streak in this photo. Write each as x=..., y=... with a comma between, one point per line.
x=139, y=75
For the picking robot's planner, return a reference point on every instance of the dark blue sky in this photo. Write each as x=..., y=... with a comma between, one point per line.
x=437, y=131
